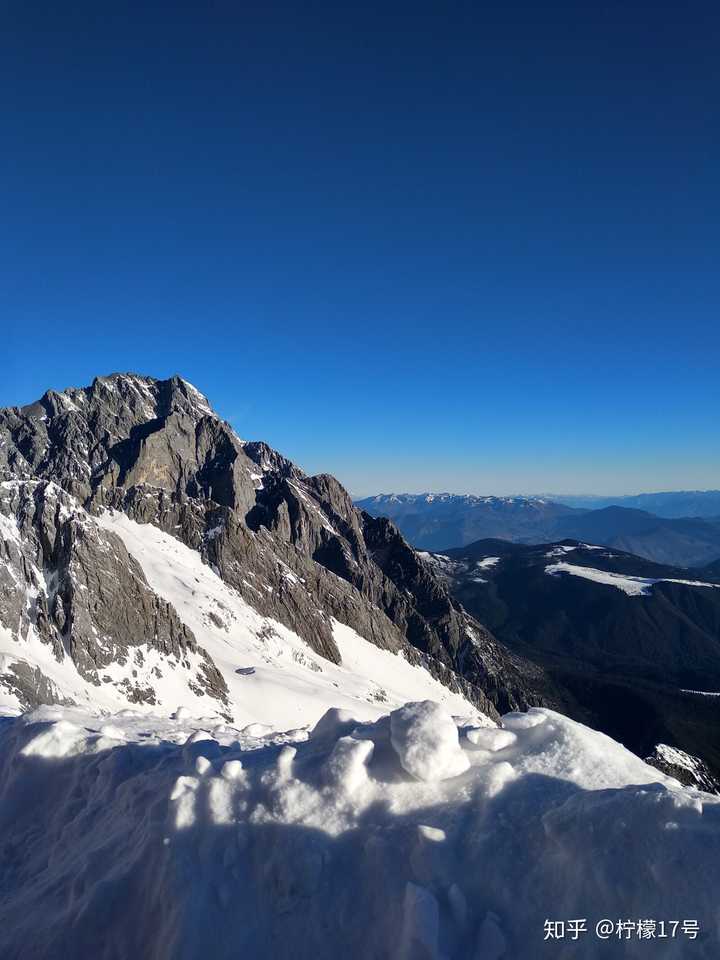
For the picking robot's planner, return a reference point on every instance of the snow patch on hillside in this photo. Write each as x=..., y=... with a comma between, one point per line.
x=632, y=586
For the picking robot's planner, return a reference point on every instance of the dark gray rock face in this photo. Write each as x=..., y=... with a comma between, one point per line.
x=293, y=546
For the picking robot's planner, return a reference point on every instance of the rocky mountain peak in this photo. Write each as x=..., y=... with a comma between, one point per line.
x=293, y=548
x=129, y=397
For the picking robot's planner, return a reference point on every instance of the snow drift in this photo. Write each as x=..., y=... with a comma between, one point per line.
x=411, y=836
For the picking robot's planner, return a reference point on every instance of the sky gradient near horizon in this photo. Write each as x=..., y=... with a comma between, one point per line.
x=430, y=246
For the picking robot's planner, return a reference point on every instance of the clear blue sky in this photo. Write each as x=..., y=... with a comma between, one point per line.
x=459, y=246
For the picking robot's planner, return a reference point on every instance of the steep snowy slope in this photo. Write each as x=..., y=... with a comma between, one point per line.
x=272, y=675
x=78, y=621
x=135, y=839
x=261, y=670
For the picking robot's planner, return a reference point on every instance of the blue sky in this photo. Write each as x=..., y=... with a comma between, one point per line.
x=458, y=246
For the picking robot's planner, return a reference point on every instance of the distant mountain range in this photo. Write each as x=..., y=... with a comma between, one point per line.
x=686, y=542
x=445, y=521
x=434, y=521
x=624, y=638
x=671, y=505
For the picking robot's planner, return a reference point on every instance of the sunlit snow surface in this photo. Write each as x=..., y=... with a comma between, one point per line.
x=282, y=680
x=409, y=837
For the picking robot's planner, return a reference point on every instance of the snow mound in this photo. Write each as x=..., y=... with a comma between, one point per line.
x=333, y=723
x=162, y=841
x=425, y=739
x=346, y=767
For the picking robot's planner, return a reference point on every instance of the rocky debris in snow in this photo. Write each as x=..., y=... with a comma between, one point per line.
x=27, y=684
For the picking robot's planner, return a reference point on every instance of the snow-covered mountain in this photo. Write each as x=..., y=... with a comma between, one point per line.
x=150, y=556
x=241, y=717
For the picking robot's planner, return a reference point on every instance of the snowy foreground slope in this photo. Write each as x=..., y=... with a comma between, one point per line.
x=411, y=836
